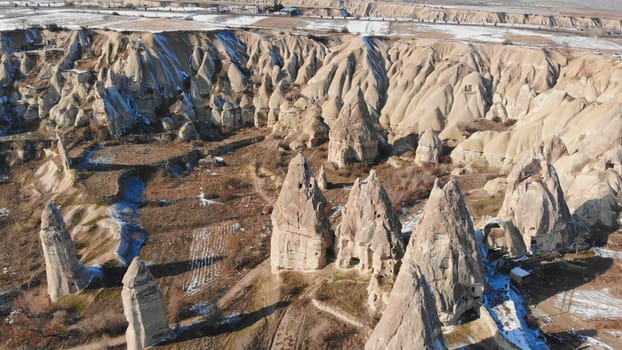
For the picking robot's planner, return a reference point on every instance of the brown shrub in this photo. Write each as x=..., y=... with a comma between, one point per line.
x=408, y=185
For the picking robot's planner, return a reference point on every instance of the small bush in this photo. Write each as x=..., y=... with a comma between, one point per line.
x=408, y=185
x=73, y=304
x=292, y=283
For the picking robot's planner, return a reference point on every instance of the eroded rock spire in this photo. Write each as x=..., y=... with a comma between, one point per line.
x=369, y=237
x=143, y=307
x=65, y=274
x=353, y=138
x=444, y=246
x=300, y=235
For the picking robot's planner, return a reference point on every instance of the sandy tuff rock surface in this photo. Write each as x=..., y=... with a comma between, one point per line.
x=534, y=203
x=300, y=236
x=353, y=137
x=429, y=148
x=443, y=245
x=369, y=235
x=322, y=180
x=410, y=320
x=369, y=238
x=143, y=307
x=502, y=235
x=65, y=274
x=457, y=14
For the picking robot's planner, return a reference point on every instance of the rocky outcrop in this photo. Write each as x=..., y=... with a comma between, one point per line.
x=188, y=132
x=300, y=235
x=444, y=246
x=534, y=203
x=62, y=152
x=429, y=148
x=353, y=137
x=143, y=307
x=553, y=149
x=503, y=236
x=369, y=238
x=369, y=235
x=322, y=180
x=410, y=320
x=65, y=274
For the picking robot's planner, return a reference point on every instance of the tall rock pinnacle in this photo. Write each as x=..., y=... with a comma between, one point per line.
x=353, y=138
x=143, y=307
x=300, y=235
x=410, y=320
x=369, y=238
x=65, y=273
x=444, y=246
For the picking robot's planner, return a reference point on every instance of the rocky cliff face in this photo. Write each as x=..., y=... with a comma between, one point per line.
x=429, y=147
x=65, y=274
x=300, y=235
x=534, y=203
x=143, y=307
x=410, y=320
x=443, y=245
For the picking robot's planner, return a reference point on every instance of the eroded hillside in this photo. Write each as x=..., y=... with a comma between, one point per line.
x=176, y=144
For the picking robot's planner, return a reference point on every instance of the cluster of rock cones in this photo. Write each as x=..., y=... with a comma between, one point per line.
x=438, y=275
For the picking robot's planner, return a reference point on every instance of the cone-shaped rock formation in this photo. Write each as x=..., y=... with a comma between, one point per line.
x=353, y=138
x=369, y=238
x=534, y=203
x=410, y=320
x=443, y=245
x=370, y=231
x=300, y=235
x=143, y=307
x=65, y=273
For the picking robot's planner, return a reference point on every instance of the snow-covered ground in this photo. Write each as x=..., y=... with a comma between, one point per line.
x=410, y=221
x=607, y=253
x=590, y=305
x=351, y=26
x=497, y=35
x=118, y=19
x=506, y=306
x=197, y=19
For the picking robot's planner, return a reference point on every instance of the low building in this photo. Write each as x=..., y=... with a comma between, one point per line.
x=519, y=276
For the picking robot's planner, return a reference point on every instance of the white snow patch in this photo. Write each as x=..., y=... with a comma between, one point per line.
x=337, y=210
x=242, y=20
x=593, y=343
x=4, y=212
x=467, y=32
x=615, y=332
x=511, y=327
x=409, y=222
x=590, y=305
x=497, y=35
x=607, y=253
x=355, y=27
